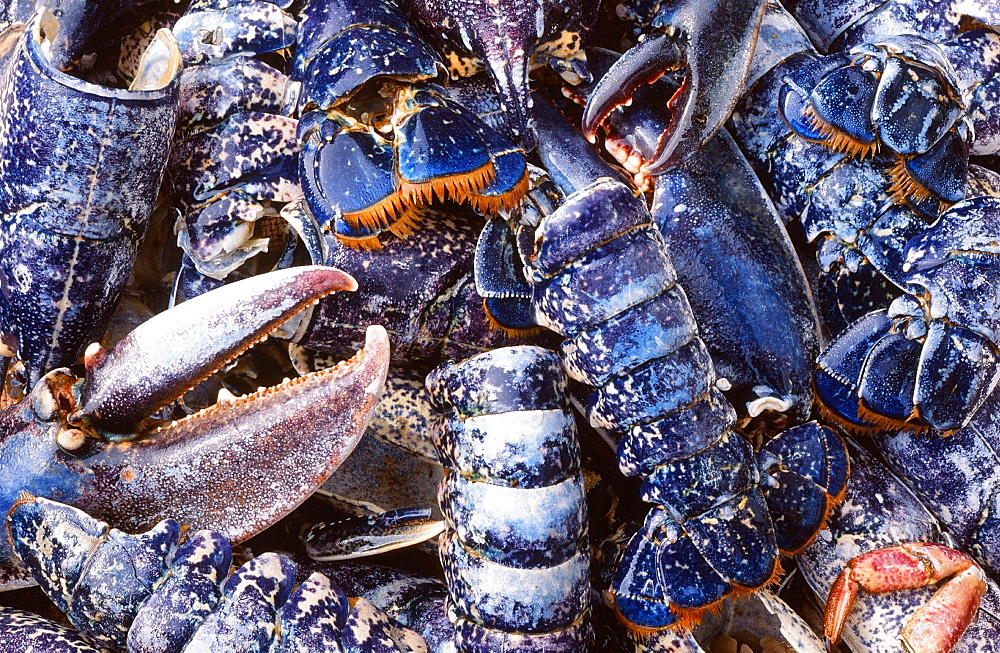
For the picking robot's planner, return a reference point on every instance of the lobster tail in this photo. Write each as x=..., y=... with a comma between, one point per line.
x=636, y=342
x=515, y=555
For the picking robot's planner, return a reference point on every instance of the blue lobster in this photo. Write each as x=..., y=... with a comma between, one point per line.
x=369, y=106
x=611, y=291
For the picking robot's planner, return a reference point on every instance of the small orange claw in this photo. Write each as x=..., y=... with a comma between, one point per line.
x=937, y=625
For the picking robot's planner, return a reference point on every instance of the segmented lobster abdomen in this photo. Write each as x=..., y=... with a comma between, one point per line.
x=515, y=555
x=151, y=593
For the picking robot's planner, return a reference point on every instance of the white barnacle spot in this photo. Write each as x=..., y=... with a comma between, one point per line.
x=70, y=439
x=22, y=278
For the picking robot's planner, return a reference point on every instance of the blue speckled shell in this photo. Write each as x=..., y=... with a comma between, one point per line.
x=515, y=554
x=184, y=599
x=80, y=166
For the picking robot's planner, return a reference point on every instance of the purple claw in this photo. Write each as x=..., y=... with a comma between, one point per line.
x=169, y=354
x=241, y=465
x=235, y=467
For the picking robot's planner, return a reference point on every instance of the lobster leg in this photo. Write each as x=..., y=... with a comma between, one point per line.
x=938, y=625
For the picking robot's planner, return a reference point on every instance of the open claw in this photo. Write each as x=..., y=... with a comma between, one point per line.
x=714, y=43
x=167, y=355
x=643, y=64
x=936, y=626
x=235, y=467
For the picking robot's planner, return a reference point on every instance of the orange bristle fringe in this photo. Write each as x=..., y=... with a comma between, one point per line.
x=884, y=423
x=371, y=243
x=377, y=216
x=456, y=187
x=830, y=416
x=404, y=226
x=904, y=187
x=688, y=618
x=837, y=140
x=507, y=331
x=493, y=204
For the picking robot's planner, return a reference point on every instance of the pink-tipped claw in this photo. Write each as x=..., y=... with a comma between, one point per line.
x=938, y=625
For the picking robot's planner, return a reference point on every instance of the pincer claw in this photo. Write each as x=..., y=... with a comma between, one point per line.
x=239, y=465
x=159, y=361
x=938, y=625
x=712, y=42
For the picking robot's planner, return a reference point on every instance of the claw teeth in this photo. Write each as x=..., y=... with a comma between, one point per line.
x=225, y=395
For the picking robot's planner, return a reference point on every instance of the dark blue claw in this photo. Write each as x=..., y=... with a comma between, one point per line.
x=736, y=262
x=717, y=41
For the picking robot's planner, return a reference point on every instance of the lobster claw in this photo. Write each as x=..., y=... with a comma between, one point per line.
x=713, y=42
x=80, y=165
x=235, y=467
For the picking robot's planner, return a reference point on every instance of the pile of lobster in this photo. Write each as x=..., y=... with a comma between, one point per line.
x=464, y=260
